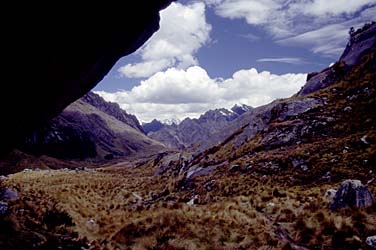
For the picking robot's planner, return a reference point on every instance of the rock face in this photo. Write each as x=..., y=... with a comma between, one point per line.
x=193, y=131
x=91, y=128
x=68, y=50
x=352, y=194
x=359, y=44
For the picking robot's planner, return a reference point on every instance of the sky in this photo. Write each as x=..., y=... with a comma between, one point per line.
x=217, y=53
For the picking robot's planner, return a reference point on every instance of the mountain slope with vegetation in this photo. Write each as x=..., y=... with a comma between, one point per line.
x=91, y=128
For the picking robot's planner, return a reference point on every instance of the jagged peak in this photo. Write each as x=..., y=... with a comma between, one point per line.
x=241, y=108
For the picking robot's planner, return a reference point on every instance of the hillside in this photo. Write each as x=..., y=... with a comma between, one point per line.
x=91, y=128
x=88, y=133
x=255, y=121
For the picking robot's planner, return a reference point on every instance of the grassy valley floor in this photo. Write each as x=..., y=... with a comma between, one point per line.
x=130, y=208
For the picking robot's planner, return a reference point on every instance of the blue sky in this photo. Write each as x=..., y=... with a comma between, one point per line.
x=215, y=53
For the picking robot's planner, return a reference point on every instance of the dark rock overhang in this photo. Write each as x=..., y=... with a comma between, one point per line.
x=56, y=52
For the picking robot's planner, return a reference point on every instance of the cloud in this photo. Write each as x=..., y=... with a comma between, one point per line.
x=334, y=7
x=177, y=86
x=254, y=11
x=143, y=69
x=251, y=37
x=183, y=30
x=290, y=60
x=177, y=93
x=328, y=40
x=296, y=22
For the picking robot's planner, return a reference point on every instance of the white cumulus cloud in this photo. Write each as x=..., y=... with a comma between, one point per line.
x=177, y=86
x=178, y=93
x=183, y=30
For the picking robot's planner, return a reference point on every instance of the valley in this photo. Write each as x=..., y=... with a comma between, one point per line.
x=259, y=179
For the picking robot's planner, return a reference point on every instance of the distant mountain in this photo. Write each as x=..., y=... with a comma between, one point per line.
x=152, y=126
x=91, y=128
x=171, y=121
x=191, y=132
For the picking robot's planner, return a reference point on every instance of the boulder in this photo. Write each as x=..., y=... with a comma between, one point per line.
x=8, y=194
x=209, y=186
x=304, y=167
x=371, y=242
x=327, y=175
x=235, y=168
x=352, y=194
x=330, y=194
x=193, y=201
x=3, y=207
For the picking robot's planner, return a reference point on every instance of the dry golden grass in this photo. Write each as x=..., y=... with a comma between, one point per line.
x=241, y=212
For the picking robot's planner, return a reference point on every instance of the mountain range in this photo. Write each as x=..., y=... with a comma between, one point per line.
x=191, y=132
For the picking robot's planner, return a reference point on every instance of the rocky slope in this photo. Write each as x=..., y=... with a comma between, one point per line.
x=190, y=132
x=325, y=134
x=91, y=128
x=67, y=60
x=255, y=121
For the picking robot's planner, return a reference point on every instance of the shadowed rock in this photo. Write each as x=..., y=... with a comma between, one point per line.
x=68, y=49
x=352, y=194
